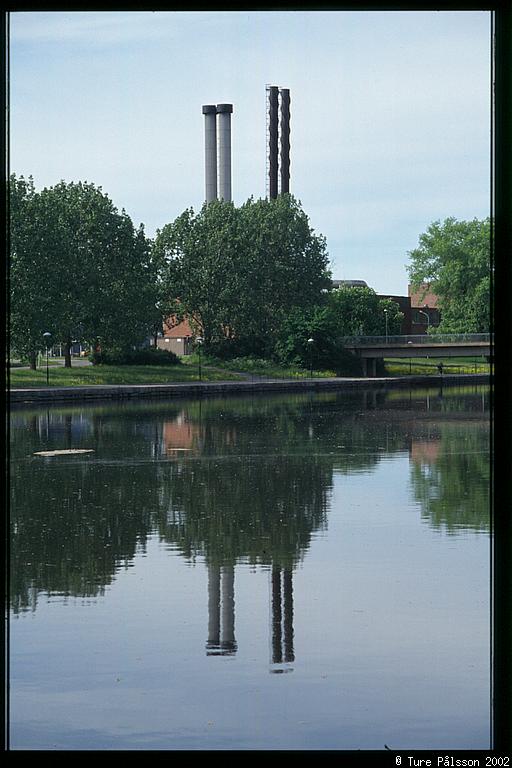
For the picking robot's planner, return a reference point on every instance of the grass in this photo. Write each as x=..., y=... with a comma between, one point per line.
x=393, y=367
x=213, y=369
x=451, y=365
x=266, y=368
x=110, y=374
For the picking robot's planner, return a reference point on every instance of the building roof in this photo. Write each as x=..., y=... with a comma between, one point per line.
x=349, y=284
x=174, y=330
x=423, y=297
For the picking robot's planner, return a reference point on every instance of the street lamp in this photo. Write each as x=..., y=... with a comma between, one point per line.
x=386, y=316
x=199, y=341
x=46, y=337
x=310, y=343
x=421, y=312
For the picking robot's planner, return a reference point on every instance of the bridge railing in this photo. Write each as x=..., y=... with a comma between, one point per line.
x=431, y=338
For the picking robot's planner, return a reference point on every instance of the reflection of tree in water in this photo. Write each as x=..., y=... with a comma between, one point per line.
x=71, y=528
x=75, y=521
x=257, y=494
x=260, y=486
x=257, y=509
x=247, y=499
x=230, y=480
x=450, y=477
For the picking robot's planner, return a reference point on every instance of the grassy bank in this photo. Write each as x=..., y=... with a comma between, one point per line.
x=213, y=369
x=122, y=374
x=451, y=365
x=265, y=368
x=392, y=367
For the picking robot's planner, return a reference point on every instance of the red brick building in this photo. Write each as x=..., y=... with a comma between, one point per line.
x=424, y=309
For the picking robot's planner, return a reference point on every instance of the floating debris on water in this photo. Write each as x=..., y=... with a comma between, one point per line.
x=63, y=452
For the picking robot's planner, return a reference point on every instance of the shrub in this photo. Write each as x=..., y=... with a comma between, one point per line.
x=147, y=356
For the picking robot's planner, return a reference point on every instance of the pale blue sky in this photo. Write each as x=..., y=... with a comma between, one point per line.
x=390, y=116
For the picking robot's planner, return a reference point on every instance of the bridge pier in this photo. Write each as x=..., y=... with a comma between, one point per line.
x=369, y=366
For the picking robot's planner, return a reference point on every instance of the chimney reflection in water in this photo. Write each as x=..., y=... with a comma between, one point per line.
x=221, y=611
x=282, y=619
x=221, y=615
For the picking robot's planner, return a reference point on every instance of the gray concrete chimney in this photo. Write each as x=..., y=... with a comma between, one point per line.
x=210, y=151
x=224, y=137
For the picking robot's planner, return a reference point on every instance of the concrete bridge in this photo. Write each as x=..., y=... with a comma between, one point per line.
x=372, y=348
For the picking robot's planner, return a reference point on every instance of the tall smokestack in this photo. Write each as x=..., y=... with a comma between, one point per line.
x=273, y=140
x=210, y=151
x=224, y=112
x=285, y=140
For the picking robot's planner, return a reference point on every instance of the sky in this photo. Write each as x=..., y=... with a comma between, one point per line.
x=390, y=116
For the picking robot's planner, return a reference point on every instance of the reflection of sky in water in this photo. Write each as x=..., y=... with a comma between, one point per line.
x=390, y=637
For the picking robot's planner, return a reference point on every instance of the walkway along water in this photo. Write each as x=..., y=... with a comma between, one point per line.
x=171, y=391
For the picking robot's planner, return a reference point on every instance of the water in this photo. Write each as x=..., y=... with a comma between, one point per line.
x=289, y=572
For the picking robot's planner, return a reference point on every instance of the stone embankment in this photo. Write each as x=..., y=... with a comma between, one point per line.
x=49, y=395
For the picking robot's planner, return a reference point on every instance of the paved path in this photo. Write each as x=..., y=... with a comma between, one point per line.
x=243, y=374
x=76, y=362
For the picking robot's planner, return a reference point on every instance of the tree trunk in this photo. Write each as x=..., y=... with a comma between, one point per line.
x=94, y=350
x=32, y=360
x=67, y=353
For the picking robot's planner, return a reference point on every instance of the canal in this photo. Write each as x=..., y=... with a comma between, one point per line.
x=304, y=571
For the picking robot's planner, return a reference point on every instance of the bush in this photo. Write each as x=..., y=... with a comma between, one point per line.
x=147, y=356
x=250, y=363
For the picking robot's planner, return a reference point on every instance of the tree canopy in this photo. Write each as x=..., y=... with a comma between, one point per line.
x=346, y=311
x=78, y=269
x=236, y=273
x=454, y=260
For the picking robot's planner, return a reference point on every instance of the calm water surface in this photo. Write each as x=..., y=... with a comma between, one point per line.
x=285, y=572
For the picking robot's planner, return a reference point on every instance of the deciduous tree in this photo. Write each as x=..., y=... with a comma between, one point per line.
x=453, y=259
x=346, y=311
x=78, y=269
x=29, y=272
x=237, y=272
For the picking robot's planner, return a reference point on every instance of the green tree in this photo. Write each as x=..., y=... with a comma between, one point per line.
x=346, y=311
x=30, y=301
x=237, y=272
x=358, y=311
x=453, y=260
x=79, y=269
x=284, y=269
x=197, y=255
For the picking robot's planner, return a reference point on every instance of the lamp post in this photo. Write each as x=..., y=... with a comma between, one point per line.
x=386, y=316
x=310, y=344
x=199, y=342
x=421, y=312
x=410, y=361
x=46, y=337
